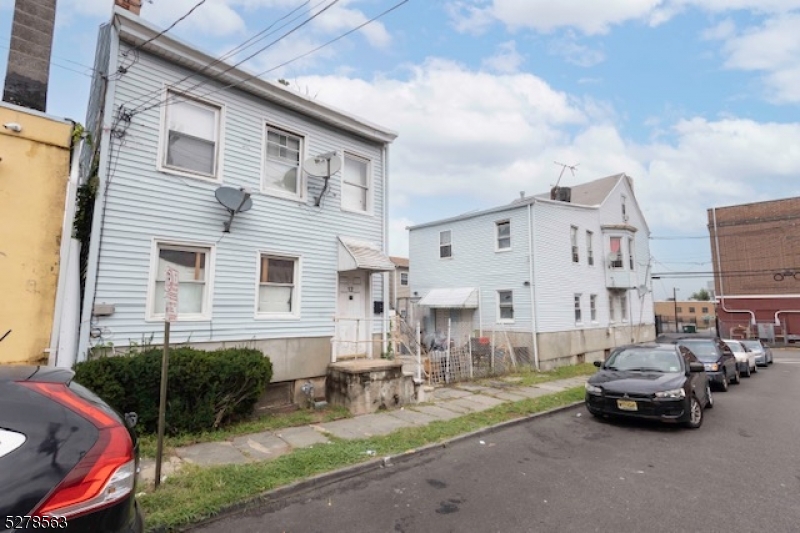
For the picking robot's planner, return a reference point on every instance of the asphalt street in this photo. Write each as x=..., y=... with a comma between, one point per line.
x=569, y=472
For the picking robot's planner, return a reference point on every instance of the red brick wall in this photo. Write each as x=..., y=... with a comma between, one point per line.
x=756, y=241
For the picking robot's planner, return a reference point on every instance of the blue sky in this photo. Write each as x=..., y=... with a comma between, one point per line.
x=697, y=100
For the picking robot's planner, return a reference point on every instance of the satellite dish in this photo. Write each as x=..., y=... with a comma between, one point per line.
x=323, y=165
x=235, y=201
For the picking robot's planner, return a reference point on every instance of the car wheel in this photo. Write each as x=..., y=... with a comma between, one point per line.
x=709, y=397
x=695, y=414
x=724, y=385
x=737, y=377
x=748, y=373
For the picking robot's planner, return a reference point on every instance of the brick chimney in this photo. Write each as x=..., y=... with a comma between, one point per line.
x=134, y=6
x=28, y=67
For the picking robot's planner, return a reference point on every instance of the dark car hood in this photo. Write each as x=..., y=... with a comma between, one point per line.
x=637, y=382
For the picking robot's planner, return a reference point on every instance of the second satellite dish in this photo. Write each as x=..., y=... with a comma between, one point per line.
x=323, y=165
x=235, y=201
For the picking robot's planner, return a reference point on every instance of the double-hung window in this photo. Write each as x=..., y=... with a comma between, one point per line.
x=445, y=244
x=356, y=184
x=191, y=136
x=503, y=235
x=615, y=260
x=404, y=279
x=505, y=306
x=282, y=174
x=593, y=307
x=612, y=309
x=623, y=305
x=573, y=237
x=631, y=256
x=589, y=248
x=277, y=286
x=192, y=264
x=578, y=317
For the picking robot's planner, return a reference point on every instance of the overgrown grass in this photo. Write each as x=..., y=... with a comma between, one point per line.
x=148, y=443
x=197, y=493
x=528, y=377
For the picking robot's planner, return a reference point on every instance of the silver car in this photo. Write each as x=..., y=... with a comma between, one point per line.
x=763, y=355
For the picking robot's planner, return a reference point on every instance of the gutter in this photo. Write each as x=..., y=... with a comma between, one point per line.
x=532, y=274
x=385, y=231
x=777, y=313
x=719, y=266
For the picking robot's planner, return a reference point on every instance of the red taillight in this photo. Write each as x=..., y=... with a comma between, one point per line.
x=104, y=475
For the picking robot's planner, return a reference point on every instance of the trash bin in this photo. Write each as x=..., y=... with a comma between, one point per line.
x=689, y=328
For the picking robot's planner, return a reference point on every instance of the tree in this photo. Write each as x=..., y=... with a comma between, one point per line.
x=701, y=295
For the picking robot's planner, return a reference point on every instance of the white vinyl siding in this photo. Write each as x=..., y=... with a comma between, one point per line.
x=503, y=235
x=445, y=244
x=505, y=306
x=278, y=286
x=191, y=136
x=193, y=264
x=356, y=190
x=282, y=165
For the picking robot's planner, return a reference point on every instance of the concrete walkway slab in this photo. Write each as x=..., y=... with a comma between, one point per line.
x=471, y=387
x=437, y=411
x=211, y=453
x=301, y=437
x=551, y=387
x=362, y=427
x=442, y=393
x=413, y=417
x=487, y=401
x=456, y=406
x=261, y=446
x=532, y=392
x=509, y=396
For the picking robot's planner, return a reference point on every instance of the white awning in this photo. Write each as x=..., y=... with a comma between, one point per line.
x=355, y=254
x=461, y=297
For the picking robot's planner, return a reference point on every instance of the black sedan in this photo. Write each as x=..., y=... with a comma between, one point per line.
x=717, y=357
x=656, y=381
x=68, y=460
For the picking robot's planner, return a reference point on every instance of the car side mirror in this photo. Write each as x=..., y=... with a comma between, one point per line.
x=696, y=367
x=598, y=364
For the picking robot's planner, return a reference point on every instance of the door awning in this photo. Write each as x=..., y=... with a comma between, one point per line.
x=355, y=254
x=461, y=297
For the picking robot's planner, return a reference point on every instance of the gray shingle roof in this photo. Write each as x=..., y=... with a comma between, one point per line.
x=591, y=193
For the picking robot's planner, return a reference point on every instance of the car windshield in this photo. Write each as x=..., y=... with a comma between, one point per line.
x=644, y=360
x=735, y=346
x=754, y=345
x=703, y=349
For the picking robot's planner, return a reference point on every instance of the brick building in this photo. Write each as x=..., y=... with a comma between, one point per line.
x=690, y=312
x=755, y=250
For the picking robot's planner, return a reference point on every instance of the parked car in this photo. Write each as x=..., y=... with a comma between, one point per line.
x=763, y=353
x=663, y=382
x=745, y=358
x=716, y=356
x=68, y=460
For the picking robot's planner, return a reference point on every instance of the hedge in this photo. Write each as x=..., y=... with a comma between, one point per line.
x=205, y=389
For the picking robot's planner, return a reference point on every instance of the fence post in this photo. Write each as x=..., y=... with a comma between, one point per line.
x=419, y=356
x=491, y=360
x=358, y=334
x=447, y=358
x=469, y=344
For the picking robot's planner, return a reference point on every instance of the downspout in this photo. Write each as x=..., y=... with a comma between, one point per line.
x=93, y=262
x=66, y=249
x=532, y=273
x=719, y=267
x=385, y=230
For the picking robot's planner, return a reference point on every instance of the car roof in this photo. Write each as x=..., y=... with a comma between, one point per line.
x=653, y=345
x=45, y=374
x=674, y=337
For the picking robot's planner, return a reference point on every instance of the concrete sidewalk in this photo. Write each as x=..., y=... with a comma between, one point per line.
x=443, y=403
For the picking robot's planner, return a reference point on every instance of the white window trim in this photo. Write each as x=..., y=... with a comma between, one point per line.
x=439, y=245
x=497, y=236
x=497, y=297
x=208, y=302
x=622, y=256
x=162, y=139
x=579, y=295
x=401, y=279
x=370, y=186
x=300, y=197
x=297, y=296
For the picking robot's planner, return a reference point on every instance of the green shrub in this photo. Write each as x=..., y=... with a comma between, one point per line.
x=205, y=389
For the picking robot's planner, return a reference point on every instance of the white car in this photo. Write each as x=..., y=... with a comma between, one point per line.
x=745, y=358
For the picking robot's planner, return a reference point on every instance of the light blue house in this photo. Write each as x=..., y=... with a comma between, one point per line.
x=562, y=277
x=300, y=275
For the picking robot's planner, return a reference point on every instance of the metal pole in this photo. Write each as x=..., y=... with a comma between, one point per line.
x=675, y=305
x=469, y=344
x=419, y=355
x=162, y=404
x=447, y=363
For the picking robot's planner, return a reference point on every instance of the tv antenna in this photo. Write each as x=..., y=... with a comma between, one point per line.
x=235, y=201
x=323, y=166
x=564, y=167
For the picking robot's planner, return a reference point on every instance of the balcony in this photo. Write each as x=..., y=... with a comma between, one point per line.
x=619, y=278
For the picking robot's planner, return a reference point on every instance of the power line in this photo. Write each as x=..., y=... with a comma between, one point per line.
x=162, y=32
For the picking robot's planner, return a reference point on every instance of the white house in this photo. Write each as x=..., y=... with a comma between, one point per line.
x=300, y=275
x=563, y=275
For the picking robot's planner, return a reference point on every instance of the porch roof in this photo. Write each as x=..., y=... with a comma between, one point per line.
x=455, y=298
x=355, y=254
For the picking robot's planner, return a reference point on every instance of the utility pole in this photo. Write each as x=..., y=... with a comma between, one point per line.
x=675, y=304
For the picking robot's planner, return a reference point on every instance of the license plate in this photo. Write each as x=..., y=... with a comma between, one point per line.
x=626, y=405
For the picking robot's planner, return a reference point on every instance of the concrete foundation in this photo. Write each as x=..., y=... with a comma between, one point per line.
x=368, y=385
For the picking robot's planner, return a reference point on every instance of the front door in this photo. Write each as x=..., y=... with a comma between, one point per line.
x=353, y=327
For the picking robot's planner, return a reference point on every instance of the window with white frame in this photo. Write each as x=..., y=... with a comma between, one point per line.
x=593, y=307
x=624, y=208
x=589, y=248
x=505, y=306
x=504, y=235
x=573, y=237
x=631, y=257
x=277, y=285
x=612, y=309
x=445, y=244
x=623, y=305
x=615, y=259
x=578, y=317
x=192, y=264
x=191, y=136
x=404, y=278
x=355, y=184
x=282, y=174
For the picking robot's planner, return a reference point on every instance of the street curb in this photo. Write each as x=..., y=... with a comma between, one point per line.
x=279, y=498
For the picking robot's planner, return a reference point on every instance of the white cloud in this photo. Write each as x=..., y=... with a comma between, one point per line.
x=577, y=54
x=506, y=59
x=724, y=30
x=339, y=19
x=470, y=136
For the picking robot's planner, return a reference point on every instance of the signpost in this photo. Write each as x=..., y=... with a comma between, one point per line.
x=170, y=314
